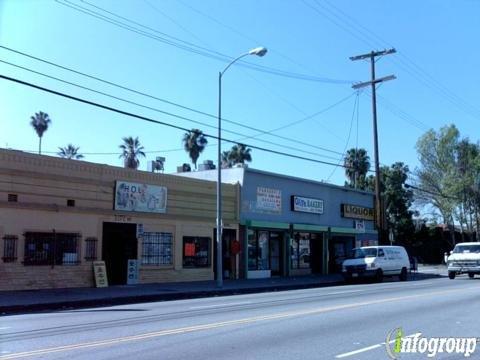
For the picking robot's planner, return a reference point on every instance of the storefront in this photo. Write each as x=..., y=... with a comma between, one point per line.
x=291, y=226
x=58, y=217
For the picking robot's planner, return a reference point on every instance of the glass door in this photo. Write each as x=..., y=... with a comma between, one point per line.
x=275, y=253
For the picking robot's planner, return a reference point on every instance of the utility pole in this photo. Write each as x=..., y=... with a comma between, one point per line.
x=373, y=82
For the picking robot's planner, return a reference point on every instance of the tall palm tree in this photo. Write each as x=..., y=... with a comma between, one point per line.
x=194, y=143
x=40, y=123
x=357, y=164
x=131, y=151
x=240, y=154
x=70, y=152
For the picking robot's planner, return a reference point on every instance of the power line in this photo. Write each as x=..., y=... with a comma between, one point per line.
x=355, y=109
x=158, y=122
x=137, y=92
x=187, y=46
x=362, y=33
x=161, y=111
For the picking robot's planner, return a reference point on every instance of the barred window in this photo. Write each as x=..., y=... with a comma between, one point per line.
x=51, y=248
x=91, y=248
x=157, y=248
x=9, y=248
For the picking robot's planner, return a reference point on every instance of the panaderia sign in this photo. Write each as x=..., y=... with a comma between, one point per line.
x=357, y=212
x=308, y=205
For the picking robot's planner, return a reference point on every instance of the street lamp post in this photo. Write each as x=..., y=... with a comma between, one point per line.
x=259, y=51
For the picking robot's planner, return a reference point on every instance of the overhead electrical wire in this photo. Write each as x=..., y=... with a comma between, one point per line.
x=154, y=121
x=188, y=46
x=355, y=110
x=361, y=33
x=142, y=93
x=163, y=112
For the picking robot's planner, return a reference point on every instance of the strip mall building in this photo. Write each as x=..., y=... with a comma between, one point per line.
x=292, y=226
x=58, y=216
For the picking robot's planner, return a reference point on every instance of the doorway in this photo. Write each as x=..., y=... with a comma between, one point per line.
x=316, y=253
x=275, y=244
x=119, y=245
x=228, y=237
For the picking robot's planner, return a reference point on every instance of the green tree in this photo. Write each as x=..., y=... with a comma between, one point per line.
x=70, y=152
x=357, y=164
x=131, y=151
x=194, y=142
x=238, y=154
x=40, y=122
x=438, y=175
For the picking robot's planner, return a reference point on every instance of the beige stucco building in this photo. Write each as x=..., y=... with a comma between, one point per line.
x=57, y=216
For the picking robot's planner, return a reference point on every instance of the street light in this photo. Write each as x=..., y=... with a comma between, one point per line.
x=259, y=51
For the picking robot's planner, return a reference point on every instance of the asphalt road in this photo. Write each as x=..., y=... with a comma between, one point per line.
x=342, y=322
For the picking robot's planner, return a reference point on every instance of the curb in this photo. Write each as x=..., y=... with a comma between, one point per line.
x=147, y=298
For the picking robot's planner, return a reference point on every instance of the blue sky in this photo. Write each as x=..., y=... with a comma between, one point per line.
x=436, y=68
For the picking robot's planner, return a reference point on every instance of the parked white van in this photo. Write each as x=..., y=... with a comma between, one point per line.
x=376, y=262
x=464, y=259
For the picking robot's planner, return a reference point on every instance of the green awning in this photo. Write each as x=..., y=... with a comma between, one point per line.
x=266, y=224
x=343, y=230
x=308, y=227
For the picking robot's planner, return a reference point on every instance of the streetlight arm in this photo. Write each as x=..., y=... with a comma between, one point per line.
x=233, y=61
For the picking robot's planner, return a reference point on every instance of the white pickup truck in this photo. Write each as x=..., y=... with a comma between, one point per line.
x=464, y=259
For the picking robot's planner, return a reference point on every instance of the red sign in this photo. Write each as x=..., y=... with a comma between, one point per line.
x=189, y=249
x=235, y=248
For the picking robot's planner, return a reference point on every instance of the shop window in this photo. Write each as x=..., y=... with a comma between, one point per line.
x=157, y=248
x=258, y=250
x=91, y=248
x=51, y=248
x=9, y=248
x=196, y=251
x=300, y=251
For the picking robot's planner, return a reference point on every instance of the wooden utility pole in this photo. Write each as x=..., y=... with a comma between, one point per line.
x=373, y=82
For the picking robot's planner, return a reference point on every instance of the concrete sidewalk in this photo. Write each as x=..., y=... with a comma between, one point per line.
x=56, y=299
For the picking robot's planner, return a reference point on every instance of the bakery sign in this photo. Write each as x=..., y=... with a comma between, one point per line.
x=305, y=204
x=357, y=212
x=140, y=197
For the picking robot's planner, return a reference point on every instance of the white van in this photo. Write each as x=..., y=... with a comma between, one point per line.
x=464, y=259
x=376, y=262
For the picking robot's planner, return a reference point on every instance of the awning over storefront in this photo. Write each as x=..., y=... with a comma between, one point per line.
x=352, y=231
x=308, y=227
x=266, y=224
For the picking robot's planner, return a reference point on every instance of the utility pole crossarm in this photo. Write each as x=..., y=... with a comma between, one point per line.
x=373, y=54
x=376, y=81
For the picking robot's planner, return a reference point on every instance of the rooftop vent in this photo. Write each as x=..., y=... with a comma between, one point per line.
x=207, y=165
x=157, y=164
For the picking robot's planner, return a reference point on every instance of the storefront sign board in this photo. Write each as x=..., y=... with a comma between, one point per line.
x=140, y=197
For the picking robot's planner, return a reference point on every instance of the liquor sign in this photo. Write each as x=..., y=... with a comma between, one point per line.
x=140, y=197
x=100, y=272
x=357, y=212
x=269, y=200
x=132, y=271
x=308, y=205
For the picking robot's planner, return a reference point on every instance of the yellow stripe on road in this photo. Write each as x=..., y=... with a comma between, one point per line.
x=189, y=329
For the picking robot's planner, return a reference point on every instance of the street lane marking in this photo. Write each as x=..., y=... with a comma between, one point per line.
x=368, y=348
x=220, y=305
x=183, y=330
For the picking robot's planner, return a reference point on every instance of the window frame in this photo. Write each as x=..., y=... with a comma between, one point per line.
x=50, y=248
x=10, y=243
x=162, y=239
x=192, y=262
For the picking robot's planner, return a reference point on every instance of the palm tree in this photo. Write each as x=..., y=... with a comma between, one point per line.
x=357, y=164
x=239, y=154
x=226, y=160
x=131, y=150
x=40, y=123
x=194, y=143
x=70, y=152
